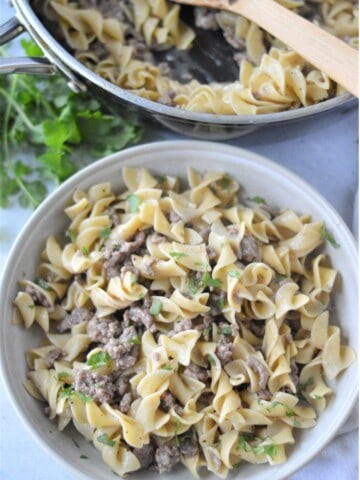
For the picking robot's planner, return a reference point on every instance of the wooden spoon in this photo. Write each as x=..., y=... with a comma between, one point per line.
x=326, y=52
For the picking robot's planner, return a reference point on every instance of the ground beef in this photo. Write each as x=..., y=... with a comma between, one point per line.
x=254, y=363
x=145, y=454
x=157, y=238
x=148, y=266
x=166, y=457
x=211, y=253
x=125, y=355
x=122, y=385
x=99, y=387
x=224, y=352
x=199, y=373
x=116, y=253
x=52, y=356
x=140, y=316
x=256, y=327
x=37, y=295
x=125, y=402
x=101, y=330
x=215, y=302
x=78, y=315
x=167, y=401
x=205, y=326
x=129, y=268
x=249, y=249
x=181, y=326
x=188, y=446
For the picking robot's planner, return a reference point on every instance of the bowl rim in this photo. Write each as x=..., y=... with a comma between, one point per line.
x=63, y=60
x=57, y=197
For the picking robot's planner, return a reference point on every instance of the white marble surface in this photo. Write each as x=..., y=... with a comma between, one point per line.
x=324, y=151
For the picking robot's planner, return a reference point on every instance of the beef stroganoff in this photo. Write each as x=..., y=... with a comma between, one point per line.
x=182, y=325
x=117, y=40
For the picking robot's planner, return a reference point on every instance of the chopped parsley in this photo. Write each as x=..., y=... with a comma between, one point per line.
x=105, y=232
x=177, y=255
x=227, y=330
x=62, y=375
x=225, y=182
x=212, y=360
x=289, y=411
x=243, y=442
x=220, y=304
x=42, y=283
x=302, y=387
x=327, y=236
x=133, y=202
x=135, y=341
x=84, y=251
x=71, y=234
x=271, y=450
x=257, y=199
x=234, y=274
x=156, y=307
x=166, y=367
x=69, y=392
x=98, y=359
x=161, y=179
x=192, y=286
x=104, y=438
x=176, y=431
x=280, y=278
x=208, y=281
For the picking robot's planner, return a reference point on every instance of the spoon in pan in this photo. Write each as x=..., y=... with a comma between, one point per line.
x=326, y=52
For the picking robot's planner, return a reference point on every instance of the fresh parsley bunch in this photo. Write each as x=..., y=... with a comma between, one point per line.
x=42, y=117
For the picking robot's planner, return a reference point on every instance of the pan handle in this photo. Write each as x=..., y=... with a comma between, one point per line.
x=32, y=65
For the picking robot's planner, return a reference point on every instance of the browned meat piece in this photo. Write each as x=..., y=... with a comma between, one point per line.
x=140, y=316
x=78, y=315
x=167, y=401
x=145, y=454
x=254, y=363
x=249, y=249
x=116, y=254
x=257, y=327
x=181, y=326
x=188, y=446
x=224, y=352
x=37, y=295
x=125, y=355
x=99, y=387
x=166, y=457
x=199, y=373
x=125, y=402
x=101, y=330
x=54, y=354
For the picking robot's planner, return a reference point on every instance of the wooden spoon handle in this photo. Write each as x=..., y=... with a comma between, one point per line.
x=326, y=52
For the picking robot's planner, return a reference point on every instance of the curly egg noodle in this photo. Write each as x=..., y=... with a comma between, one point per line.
x=115, y=40
x=181, y=326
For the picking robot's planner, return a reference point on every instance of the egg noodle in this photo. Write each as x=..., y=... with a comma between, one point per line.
x=115, y=40
x=181, y=326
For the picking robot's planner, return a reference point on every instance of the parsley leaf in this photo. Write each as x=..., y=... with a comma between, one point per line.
x=105, y=232
x=98, y=359
x=256, y=199
x=104, y=438
x=327, y=236
x=44, y=118
x=177, y=255
x=271, y=450
x=234, y=274
x=211, y=360
x=133, y=202
x=156, y=307
x=208, y=281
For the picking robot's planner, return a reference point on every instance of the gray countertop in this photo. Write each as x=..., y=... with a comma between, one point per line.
x=323, y=151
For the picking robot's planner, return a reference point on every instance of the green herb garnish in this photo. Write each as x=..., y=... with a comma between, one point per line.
x=177, y=254
x=243, y=442
x=42, y=283
x=44, y=118
x=166, y=367
x=156, y=307
x=220, y=304
x=161, y=179
x=133, y=202
x=271, y=450
x=225, y=182
x=62, y=375
x=98, y=359
x=104, y=438
x=211, y=360
x=84, y=250
x=135, y=341
x=327, y=236
x=227, y=330
x=234, y=274
x=105, y=232
x=256, y=199
x=193, y=286
x=208, y=281
x=71, y=234
x=68, y=392
x=280, y=278
x=288, y=411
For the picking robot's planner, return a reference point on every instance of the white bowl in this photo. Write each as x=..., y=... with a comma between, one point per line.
x=258, y=176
